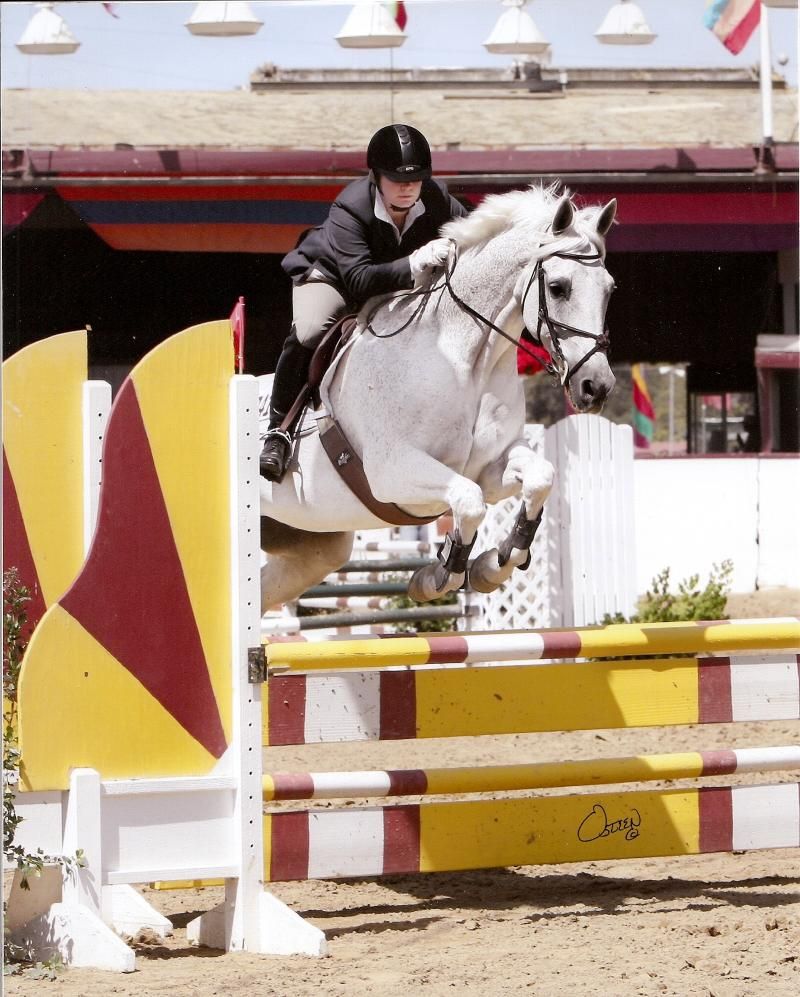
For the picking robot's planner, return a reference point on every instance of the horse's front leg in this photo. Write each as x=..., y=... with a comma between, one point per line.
x=526, y=472
x=422, y=480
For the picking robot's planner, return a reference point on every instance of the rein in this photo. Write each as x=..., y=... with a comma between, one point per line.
x=544, y=318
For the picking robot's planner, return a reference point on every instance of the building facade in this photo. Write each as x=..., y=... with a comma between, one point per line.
x=140, y=213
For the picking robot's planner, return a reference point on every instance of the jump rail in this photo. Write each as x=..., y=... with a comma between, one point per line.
x=353, y=619
x=619, y=639
x=537, y=775
x=141, y=720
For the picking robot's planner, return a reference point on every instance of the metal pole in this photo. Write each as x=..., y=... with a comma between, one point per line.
x=417, y=615
x=356, y=588
x=766, y=77
x=391, y=84
x=671, y=376
x=384, y=566
x=765, y=159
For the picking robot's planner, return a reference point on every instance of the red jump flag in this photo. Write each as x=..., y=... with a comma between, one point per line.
x=531, y=359
x=237, y=330
x=644, y=416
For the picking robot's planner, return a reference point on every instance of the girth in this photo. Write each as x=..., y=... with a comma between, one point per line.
x=348, y=465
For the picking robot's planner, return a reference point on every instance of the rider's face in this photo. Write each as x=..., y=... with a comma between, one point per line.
x=400, y=195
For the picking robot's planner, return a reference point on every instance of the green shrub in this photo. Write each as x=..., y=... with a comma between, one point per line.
x=423, y=626
x=15, y=618
x=690, y=602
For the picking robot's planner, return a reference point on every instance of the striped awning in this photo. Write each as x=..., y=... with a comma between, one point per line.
x=268, y=217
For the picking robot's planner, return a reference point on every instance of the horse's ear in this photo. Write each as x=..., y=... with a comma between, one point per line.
x=563, y=216
x=605, y=218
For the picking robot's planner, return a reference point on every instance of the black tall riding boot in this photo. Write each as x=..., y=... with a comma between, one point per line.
x=290, y=376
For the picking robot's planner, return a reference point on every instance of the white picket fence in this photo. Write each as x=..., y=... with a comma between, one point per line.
x=584, y=558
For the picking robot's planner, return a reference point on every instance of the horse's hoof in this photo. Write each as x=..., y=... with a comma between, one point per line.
x=420, y=585
x=430, y=582
x=483, y=572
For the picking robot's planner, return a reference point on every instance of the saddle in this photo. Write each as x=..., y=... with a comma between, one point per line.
x=323, y=356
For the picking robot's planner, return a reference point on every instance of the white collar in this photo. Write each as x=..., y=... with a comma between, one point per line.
x=383, y=215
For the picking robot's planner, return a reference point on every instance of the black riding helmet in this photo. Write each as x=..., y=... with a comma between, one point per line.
x=400, y=153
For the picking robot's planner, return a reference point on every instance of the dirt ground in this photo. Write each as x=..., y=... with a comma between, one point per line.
x=726, y=925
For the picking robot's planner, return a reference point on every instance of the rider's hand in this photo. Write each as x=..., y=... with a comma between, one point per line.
x=432, y=254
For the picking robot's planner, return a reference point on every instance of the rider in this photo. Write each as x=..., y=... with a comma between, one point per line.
x=379, y=236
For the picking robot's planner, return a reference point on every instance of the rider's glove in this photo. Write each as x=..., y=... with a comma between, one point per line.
x=432, y=254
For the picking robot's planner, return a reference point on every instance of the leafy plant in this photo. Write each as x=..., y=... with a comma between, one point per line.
x=660, y=605
x=15, y=619
x=422, y=626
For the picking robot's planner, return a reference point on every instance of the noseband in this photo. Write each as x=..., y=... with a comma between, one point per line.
x=558, y=329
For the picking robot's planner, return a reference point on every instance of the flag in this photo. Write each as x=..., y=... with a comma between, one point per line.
x=237, y=329
x=398, y=12
x=733, y=21
x=643, y=414
x=110, y=9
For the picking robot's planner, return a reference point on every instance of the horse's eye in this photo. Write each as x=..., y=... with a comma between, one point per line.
x=557, y=290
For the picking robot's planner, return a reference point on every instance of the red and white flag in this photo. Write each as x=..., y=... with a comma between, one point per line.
x=398, y=12
x=237, y=330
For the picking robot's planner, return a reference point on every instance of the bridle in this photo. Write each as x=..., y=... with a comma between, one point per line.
x=601, y=342
x=555, y=329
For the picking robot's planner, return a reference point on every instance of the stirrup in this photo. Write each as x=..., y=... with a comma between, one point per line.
x=281, y=434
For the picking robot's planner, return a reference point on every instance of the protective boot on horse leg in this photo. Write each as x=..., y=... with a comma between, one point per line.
x=449, y=572
x=316, y=306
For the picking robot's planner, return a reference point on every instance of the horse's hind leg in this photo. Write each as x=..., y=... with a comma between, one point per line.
x=297, y=559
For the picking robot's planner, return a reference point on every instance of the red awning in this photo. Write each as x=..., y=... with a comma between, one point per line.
x=268, y=218
x=184, y=210
x=17, y=206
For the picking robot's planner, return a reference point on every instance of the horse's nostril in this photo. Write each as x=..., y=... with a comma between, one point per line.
x=588, y=388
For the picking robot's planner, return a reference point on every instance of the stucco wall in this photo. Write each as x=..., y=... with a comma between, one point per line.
x=690, y=513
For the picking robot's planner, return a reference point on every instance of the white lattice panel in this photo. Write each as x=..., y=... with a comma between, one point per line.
x=583, y=563
x=526, y=600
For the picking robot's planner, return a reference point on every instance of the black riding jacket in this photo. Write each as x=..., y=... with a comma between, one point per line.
x=358, y=252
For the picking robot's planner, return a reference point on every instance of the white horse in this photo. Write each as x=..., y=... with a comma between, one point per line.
x=427, y=395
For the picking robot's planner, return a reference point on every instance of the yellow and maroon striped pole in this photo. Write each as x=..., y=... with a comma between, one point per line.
x=533, y=776
x=618, y=640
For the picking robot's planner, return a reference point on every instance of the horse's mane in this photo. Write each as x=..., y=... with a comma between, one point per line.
x=531, y=209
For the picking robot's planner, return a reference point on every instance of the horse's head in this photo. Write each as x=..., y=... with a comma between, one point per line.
x=564, y=296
